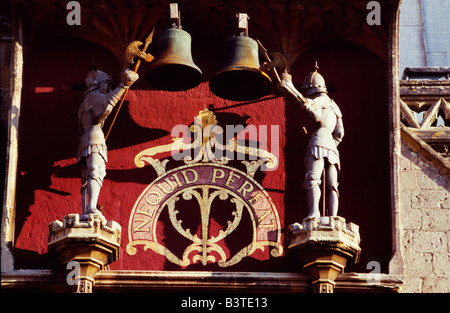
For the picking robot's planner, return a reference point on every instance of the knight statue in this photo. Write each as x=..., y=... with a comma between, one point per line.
x=322, y=153
x=98, y=102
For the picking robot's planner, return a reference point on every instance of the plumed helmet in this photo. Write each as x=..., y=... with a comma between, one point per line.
x=314, y=82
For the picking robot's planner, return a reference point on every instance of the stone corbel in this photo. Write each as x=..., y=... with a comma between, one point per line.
x=90, y=244
x=323, y=247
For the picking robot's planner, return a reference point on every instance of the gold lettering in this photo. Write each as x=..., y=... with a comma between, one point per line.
x=186, y=177
x=141, y=210
x=177, y=179
x=214, y=176
x=244, y=190
x=156, y=201
x=171, y=187
x=268, y=225
x=263, y=216
x=255, y=198
x=231, y=180
x=140, y=227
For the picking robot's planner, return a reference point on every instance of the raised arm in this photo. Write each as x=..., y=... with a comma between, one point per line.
x=128, y=77
x=288, y=89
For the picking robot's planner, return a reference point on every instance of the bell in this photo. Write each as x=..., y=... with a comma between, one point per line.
x=240, y=78
x=173, y=68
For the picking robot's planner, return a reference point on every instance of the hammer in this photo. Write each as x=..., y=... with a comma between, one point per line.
x=279, y=61
x=131, y=52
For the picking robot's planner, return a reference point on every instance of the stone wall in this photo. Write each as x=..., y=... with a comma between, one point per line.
x=5, y=69
x=424, y=39
x=425, y=201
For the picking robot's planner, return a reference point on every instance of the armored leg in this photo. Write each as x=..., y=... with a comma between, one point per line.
x=84, y=191
x=314, y=168
x=332, y=189
x=97, y=171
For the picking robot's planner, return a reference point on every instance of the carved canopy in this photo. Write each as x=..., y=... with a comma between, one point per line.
x=288, y=26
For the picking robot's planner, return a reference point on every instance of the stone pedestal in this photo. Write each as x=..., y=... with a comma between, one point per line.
x=323, y=247
x=90, y=244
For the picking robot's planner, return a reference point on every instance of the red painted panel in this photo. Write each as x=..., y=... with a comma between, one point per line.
x=49, y=183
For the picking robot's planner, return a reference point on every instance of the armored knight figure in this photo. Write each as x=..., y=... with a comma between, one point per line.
x=98, y=102
x=322, y=153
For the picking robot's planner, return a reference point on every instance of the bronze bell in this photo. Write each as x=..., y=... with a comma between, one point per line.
x=240, y=78
x=173, y=68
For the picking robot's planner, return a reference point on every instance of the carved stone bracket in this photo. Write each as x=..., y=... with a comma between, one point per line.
x=425, y=110
x=322, y=247
x=92, y=244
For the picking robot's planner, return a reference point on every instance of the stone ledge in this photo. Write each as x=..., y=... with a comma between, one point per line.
x=190, y=281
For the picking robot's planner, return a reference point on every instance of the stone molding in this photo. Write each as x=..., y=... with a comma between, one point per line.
x=179, y=281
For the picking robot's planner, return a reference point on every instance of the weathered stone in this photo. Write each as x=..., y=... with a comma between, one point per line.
x=418, y=264
x=408, y=241
x=413, y=284
x=429, y=199
x=425, y=182
x=426, y=241
x=435, y=220
x=412, y=219
x=405, y=199
x=448, y=240
x=436, y=284
x=441, y=264
x=408, y=179
x=405, y=163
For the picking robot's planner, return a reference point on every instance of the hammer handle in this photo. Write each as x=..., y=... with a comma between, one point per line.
x=136, y=67
x=274, y=71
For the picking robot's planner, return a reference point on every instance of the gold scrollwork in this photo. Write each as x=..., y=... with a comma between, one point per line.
x=205, y=245
x=203, y=147
x=184, y=182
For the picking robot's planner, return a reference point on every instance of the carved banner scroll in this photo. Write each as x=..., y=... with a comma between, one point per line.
x=209, y=192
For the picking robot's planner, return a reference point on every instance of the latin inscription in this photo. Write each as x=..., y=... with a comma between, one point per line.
x=222, y=177
x=204, y=181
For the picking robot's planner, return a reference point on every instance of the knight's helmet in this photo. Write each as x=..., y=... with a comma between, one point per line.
x=314, y=82
x=94, y=78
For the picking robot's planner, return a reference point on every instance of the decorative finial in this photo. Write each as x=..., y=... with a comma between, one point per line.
x=316, y=67
x=92, y=66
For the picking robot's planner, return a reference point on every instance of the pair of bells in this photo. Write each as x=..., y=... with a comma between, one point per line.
x=240, y=78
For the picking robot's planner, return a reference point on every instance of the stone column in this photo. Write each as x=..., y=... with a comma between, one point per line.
x=12, y=106
x=90, y=245
x=323, y=246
